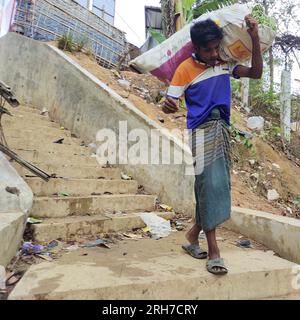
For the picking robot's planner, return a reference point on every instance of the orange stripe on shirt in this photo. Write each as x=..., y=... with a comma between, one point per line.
x=187, y=71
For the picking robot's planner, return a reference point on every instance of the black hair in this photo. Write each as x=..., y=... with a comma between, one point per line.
x=205, y=31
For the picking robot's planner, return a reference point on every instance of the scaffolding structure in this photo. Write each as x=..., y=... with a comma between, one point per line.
x=48, y=20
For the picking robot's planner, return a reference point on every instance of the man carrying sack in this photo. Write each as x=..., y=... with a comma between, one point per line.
x=204, y=80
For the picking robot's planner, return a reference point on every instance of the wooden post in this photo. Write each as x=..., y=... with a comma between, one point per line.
x=285, y=110
x=90, y=5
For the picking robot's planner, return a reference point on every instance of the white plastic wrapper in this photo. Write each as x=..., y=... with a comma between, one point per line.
x=163, y=60
x=159, y=227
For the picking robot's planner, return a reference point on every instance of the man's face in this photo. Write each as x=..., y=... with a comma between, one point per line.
x=210, y=53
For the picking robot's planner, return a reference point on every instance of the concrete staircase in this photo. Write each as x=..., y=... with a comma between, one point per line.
x=99, y=201
x=95, y=199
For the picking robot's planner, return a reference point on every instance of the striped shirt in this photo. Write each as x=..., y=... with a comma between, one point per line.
x=204, y=88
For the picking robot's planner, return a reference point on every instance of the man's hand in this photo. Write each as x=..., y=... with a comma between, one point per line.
x=170, y=105
x=252, y=25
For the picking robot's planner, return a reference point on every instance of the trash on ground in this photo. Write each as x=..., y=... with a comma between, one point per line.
x=93, y=146
x=29, y=248
x=270, y=252
x=33, y=220
x=179, y=225
x=159, y=227
x=96, y=243
x=133, y=236
x=44, y=111
x=45, y=257
x=256, y=123
x=166, y=207
x=125, y=176
x=55, y=246
x=244, y=243
x=273, y=195
x=63, y=194
x=245, y=134
x=59, y=141
x=124, y=83
x=146, y=229
x=52, y=244
x=74, y=247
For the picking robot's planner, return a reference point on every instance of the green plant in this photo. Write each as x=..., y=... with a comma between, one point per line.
x=236, y=135
x=259, y=14
x=66, y=42
x=235, y=86
x=156, y=35
x=205, y=6
x=81, y=43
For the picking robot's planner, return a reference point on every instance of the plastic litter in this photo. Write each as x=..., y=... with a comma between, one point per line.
x=59, y=141
x=273, y=195
x=52, y=244
x=63, y=194
x=159, y=227
x=166, y=207
x=29, y=248
x=45, y=257
x=74, y=247
x=125, y=176
x=32, y=220
x=244, y=243
x=124, y=83
x=256, y=123
x=132, y=236
x=96, y=243
x=44, y=112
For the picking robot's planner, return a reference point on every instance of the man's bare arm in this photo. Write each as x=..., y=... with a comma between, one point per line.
x=255, y=71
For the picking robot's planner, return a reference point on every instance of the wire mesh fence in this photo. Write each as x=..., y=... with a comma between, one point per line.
x=48, y=20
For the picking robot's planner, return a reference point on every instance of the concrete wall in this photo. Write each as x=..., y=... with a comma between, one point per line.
x=45, y=77
x=281, y=234
x=11, y=232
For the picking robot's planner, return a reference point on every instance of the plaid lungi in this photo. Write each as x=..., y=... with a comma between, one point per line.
x=210, y=144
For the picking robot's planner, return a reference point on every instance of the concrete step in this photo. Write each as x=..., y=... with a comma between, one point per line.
x=69, y=228
x=27, y=112
x=37, y=138
x=150, y=269
x=32, y=122
x=22, y=109
x=34, y=144
x=40, y=133
x=286, y=297
x=35, y=156
x=81, y=187
x=72, y=171
x=58, y=207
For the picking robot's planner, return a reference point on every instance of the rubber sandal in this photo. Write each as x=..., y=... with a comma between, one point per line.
x=213, y=263
x=195, y=251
